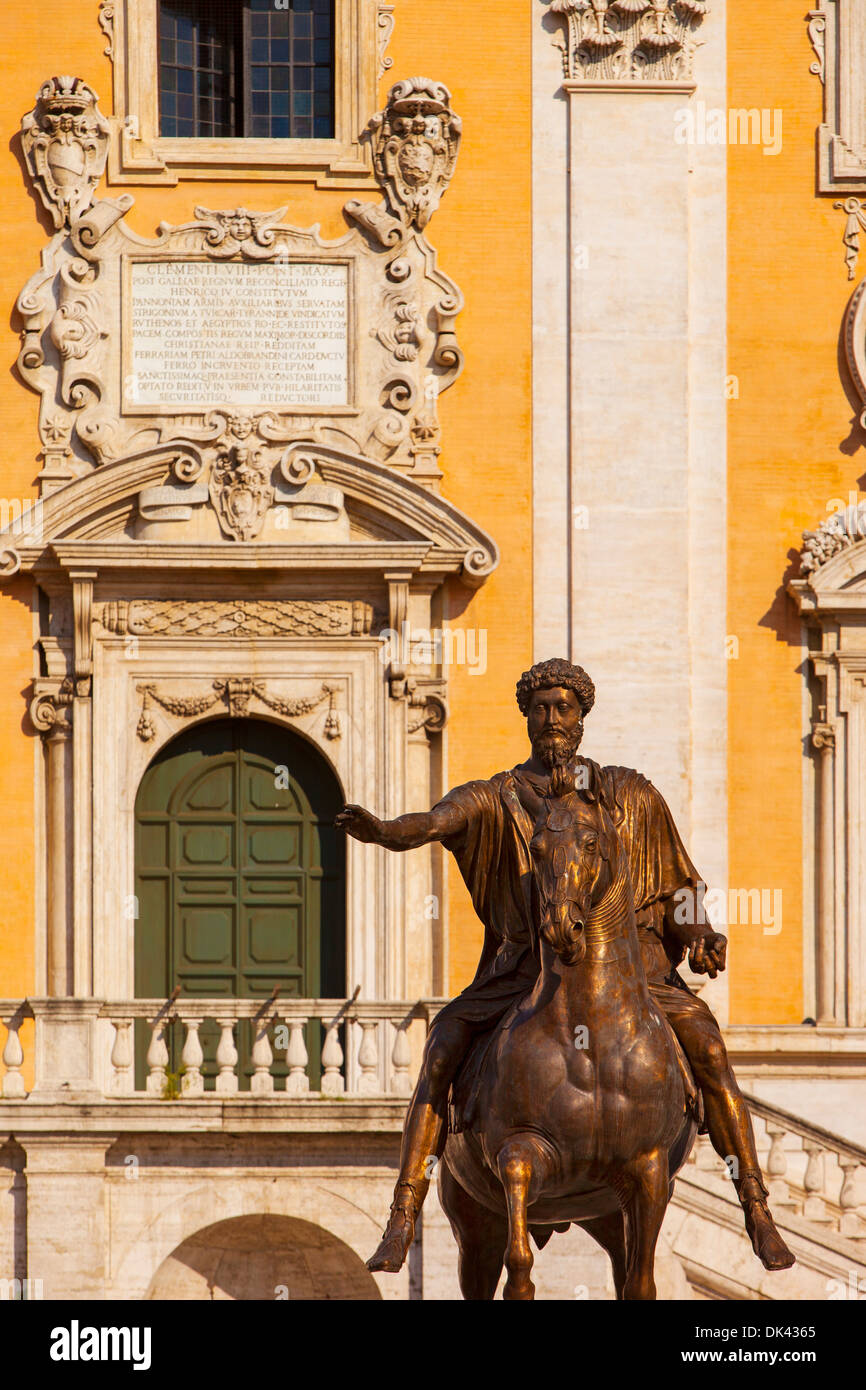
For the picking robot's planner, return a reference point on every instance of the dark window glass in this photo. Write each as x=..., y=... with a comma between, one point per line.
x=246, y=68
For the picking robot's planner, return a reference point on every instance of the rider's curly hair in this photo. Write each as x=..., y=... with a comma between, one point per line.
x=548, y=674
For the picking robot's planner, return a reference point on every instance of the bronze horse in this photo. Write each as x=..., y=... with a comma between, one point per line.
x=581, y=1109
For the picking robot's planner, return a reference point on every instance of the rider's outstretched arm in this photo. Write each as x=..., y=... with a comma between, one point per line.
x=406, y=832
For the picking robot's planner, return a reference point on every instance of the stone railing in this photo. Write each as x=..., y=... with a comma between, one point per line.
x=812, y=1175
x=365, y=1050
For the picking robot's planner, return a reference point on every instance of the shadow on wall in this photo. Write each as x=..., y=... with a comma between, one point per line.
x=263, y=1258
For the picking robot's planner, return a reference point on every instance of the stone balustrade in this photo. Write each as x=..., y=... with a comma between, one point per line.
x=811, y=1174
x=365, y=1048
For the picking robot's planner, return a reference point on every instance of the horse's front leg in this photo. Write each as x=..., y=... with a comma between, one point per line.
x=644, y=1200
x=519, y=1164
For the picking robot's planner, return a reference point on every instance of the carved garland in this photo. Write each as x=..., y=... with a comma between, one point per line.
x=236, y=693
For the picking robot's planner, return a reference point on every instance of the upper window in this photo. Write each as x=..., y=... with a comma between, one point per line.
x=237, y=89
x=246, y=68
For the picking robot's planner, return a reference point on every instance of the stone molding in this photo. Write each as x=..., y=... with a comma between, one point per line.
x=644, y=45
x=836, y=30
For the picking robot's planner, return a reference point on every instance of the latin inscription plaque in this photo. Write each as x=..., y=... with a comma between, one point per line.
x=209, y=333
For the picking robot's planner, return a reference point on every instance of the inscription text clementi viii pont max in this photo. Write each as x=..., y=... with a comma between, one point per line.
x=567, y=1082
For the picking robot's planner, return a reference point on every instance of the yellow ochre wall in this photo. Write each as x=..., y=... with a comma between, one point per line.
x=483, y=236
x=789, y=453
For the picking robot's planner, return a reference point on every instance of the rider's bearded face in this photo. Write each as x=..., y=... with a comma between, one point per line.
x=555, y=726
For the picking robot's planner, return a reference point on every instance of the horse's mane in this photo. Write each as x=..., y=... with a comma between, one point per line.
x=562, y=936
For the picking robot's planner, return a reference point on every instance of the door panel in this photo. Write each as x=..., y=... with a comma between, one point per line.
x=240, y=881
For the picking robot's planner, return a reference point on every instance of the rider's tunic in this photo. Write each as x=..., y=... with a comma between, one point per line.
x=492, y=853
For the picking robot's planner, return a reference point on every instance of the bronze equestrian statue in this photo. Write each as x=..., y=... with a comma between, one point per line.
x=531, y=844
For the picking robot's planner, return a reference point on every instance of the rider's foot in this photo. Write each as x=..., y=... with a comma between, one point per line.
x=398, y=1236
x=767, y=1244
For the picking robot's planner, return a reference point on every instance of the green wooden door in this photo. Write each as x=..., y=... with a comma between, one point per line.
x=239, y=878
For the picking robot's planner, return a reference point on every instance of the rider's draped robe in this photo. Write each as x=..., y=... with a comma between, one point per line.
x=492, y=853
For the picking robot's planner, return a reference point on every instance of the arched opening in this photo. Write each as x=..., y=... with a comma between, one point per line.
x=263, y=1257
x=240, y=878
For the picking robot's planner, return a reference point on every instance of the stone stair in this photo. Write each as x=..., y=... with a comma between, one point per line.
x=817, y=1183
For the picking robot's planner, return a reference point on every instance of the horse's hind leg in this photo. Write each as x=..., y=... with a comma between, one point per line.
x=518, y=1162
x=481, y=1237
x=609, y=1233
x=646, y=1200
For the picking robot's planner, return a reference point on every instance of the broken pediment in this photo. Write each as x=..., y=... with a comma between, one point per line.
x=326, y=509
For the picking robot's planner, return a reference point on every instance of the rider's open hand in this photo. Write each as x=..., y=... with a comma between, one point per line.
x=707, y=955
x=360, y=824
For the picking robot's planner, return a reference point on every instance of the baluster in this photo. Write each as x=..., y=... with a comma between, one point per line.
x=297, y=1081
x=777, y=1167
x=368, y=1058
x=157, y=1058
x=13, y=1060
x=122, y=1080
x=192, y=1082
x=852, y=1222
x=227, y=1059
x=814, y=1207
x=333, y=1083
x=262, y=1082
x=400, y=1059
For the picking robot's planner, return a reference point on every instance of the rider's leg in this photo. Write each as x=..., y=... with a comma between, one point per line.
x=729, y=1125
x=424, y=1135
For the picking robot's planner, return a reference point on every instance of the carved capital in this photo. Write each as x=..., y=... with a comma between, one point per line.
x=65, y=143
x=428, y=707
x=616, y=43
x=823, y=737
x=51, y=707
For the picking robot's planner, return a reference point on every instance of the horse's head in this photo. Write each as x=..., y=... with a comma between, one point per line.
x=572, y=849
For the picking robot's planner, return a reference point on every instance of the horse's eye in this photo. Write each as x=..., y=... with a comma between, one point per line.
x=592, y=844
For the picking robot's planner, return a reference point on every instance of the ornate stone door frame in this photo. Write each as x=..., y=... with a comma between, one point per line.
x=831, y=598
x=141, y=638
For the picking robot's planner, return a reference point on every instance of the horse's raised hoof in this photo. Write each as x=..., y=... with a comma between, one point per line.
x=394, y=1247
x=767, y=1244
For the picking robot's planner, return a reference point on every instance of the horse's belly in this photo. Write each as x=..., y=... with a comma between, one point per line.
x=577, y=1199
